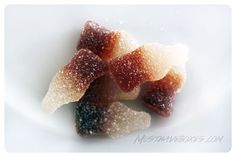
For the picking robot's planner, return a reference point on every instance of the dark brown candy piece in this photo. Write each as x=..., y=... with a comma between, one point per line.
x=130, y=70
x=112, y=119
x=160, y=95
x=97, y=114
x=149, y=62
x=105, y=43
x=91, y=118
x=98, y=39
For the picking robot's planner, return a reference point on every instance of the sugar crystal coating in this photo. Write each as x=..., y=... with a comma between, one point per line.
x=112, y=119
x=125, y=43
x=149, y=62
x=91, y=118
x=109, y=67
x=160, y=95
x=106, y=43
x=95, y=113
x=98, y=39
x=70, y=82
x=126, y=120
x=129, y=70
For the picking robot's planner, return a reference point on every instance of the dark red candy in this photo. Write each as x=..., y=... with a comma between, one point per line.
x=98, y=39
x=160, y=95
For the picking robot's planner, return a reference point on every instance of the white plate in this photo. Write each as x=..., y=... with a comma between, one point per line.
x=41, y=39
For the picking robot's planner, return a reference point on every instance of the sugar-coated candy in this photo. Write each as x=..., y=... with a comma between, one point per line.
x=70, y=83
x=125, y=120
x=160, y=95
x=106, y=43
x=91, y=117
x=108, y=67
x=149, y=62
x=108, y=119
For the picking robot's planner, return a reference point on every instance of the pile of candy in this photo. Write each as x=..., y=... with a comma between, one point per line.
x=109, y=66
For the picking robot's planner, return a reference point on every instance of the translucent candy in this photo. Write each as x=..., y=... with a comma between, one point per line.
x=124, y=44
x=105, y=43
x=160, y=95
x=147, y=63
x=126, y=120
x=70, y=83
x=112, y=119
x=109, y=67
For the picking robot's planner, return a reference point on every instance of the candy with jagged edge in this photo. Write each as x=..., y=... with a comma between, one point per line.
x=149, y=62
x=125, y=120
x=106, y=43
x=160, y=95
x=108, y=119
x=70, y=83
x=94, y=115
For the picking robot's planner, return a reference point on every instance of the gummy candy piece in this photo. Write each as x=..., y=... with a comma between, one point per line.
x=160, y=95
x=107, y=44
x=91, y=118
x=91, y=108
x=70, y=83
x=108, y=119
x=149, y=62
x=126, y=120
x=105, y=89
x=125, y=43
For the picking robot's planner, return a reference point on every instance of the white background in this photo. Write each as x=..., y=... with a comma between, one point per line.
x=40, y=39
